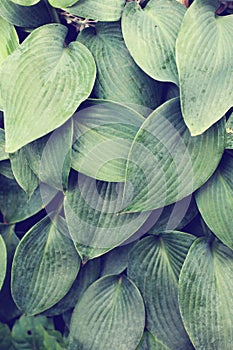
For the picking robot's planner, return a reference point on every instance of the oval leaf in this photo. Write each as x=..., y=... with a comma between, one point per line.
x=165, y=163
x=110, y=316
x=40, y=95
x=45, y=266
x=118, y=77
x=214, y=201
x=101, y=10
x=29, y=17
x=154, y=265
x=104, y=132
x=25, y=2
x=3, y=261
x=206, y=295
x=205, y=66
x=150, y=36
x=92, y=212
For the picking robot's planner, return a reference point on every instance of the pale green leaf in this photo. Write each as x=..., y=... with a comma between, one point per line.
x=41, y=94
x=104, y=132
x=229, y=131
x=9, y=39
x=25, y=2
x=165, y=163
x=154, y=265
x=118, y=77
x=29, y=17
x=206, y=295
x=205, y=65
x=34, y=151
x=92, y=212
x=23, y=173
x=110, y=315
x=14, y=203
x=215, y=201
x=150, y=36
x=3, y=154
x=45, y=266
x=101, y=10
x=8, y=309
x=88, y=274
x=149, y=342
x=34, y=333
x=3, y=261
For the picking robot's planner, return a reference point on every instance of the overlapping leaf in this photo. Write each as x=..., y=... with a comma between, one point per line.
x=148, y=341
x=39, y=93
x=206, y=295
x=44, y=267
x=101, y=10
x=229, y=130
x=22, y=16
x=110, y=315
x=3, y=261
x=92, y=212
x=215, y=201
x=3, y=154
x=118, y=76
x=9, y=39
x=205, y=66
x=25, y=2
x=165, y=163
x=150, y=36
x=104, y=132
x=154, y=265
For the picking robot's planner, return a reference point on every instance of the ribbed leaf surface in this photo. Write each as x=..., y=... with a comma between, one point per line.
x=206, y=295
x=154, y=265
x=110, y=315
x=3, y=261
x=204, y=58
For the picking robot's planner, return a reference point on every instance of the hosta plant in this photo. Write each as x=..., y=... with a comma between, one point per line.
x=116, y=175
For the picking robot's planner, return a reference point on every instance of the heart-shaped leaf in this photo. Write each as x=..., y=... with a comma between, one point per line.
x=23, y=16
x=101, y=10
x=104, y=132
x=92, y=212
x=205, y=66
x=214, y=201
x=206, y=295
x=45, y=266
x=25, y=2
x=165, y=163
x=40, y=95
x=3, y=261
x=150, y=36
x=154, y=265
x=110, y=315
x=118, y=77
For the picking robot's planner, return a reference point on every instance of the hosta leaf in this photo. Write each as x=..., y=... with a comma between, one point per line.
x=118, y=77
x=110, y=315
x=5, y=169
x=215, y=203
x=25, y=2
x=229, y=130
x=44, y=267
x=206, y=295
x=40, y=95
x=154, y=265
x=34, y=151
x=165, y=163
x=101, y=10
x=62, y=3
x=34, y=332
x=92, y=212
x=55, y=162
x=88, y=274
x=9, y=39
x=149, y=342
x=104, y=132
x=14, y=203
x=3, y=154
x=3, y=261
x=8, y=309
x=22, y=16
x=23, y=173
x=205, y=66
x=150, y=36
x=5, y=337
